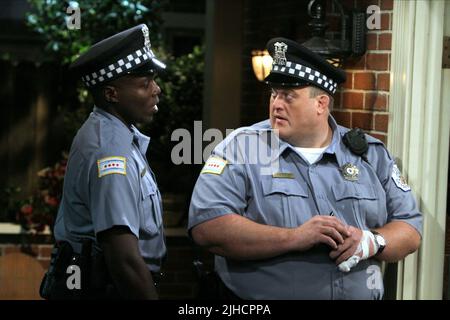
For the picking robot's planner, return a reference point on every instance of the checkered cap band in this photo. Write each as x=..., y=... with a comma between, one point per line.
x=121, y=66
x=308, y=74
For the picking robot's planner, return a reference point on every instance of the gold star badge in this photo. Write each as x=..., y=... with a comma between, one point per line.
x=350, y=172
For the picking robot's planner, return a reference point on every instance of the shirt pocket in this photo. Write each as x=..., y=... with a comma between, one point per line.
x=357, y=203
x=150, y=213
x=285, y=202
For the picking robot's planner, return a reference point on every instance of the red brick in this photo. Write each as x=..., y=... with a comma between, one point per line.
x=381, y=122
x=381, y=137
x=372, y=41
x=385, y=20
x=337, y=99
x=342, y=117
x=363, y=4
x=34, y=249
x=11, y=249
x=387, y=5
x=356, y=63
x=45, y=264
x=45, y=251
x=349, y=4
x=353, y=100
x=377, y=61
x=364, y=81
x=383, y=81
x=348, y=84
x=384, y=41
x=375, y=101
x=381, y=102
x=362, y=120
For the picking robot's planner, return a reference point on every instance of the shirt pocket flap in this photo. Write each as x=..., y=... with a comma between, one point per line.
x=147, y=188
x=150, y=213
x=289, y=187
x=353, y=190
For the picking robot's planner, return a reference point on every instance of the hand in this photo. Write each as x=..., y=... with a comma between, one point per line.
x=321, y=229
x=360, y=245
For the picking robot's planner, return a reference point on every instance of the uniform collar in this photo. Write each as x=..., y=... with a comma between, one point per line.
x=336, y=146
x=142, y=140
x=130, y=133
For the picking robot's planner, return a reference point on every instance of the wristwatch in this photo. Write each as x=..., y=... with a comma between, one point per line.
x=380, y=241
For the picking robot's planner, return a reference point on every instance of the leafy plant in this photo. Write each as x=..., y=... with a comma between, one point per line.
x=181, y=104
x=181, y=84
x=99, y=19
x=39, y=210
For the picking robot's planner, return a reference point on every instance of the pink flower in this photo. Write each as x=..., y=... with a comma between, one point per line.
x=26, y=209
x=44, y=172
x=51, y=201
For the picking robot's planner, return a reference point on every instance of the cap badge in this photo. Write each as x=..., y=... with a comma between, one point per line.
x=280, y=53
x=350, y=172
x=146, y=37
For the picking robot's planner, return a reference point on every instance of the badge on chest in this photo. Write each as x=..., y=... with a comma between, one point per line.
x=350, y=172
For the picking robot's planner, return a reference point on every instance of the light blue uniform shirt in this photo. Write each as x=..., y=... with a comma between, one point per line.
x=93, y=202
x=290, y=199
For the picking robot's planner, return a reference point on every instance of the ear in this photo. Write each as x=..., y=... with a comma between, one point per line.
x=110, y=94
x=323, y=101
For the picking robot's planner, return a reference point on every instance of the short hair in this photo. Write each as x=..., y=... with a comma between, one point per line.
x=315, y=91
x=98, y=95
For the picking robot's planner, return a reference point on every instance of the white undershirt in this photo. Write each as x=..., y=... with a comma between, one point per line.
x=311, y=154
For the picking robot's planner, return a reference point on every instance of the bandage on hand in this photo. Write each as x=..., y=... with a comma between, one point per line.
x=362, y=251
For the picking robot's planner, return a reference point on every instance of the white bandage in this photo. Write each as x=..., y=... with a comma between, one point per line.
x=361, y=253
x=349, y=263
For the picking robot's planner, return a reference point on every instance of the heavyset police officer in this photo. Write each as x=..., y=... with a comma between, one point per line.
x=298, y=207
x=110, y=215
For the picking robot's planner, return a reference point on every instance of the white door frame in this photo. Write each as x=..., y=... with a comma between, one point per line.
x=418, y=133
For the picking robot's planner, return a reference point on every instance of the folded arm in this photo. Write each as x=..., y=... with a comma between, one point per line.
x=237, y=237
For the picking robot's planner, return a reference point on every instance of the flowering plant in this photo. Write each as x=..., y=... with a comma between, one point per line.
x=41, y=208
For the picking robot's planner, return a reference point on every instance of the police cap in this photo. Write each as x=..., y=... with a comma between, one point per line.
x=127, y=52
x=294, y=65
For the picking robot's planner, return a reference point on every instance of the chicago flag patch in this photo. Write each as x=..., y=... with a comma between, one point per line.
x=214, y=165
x=111, y=165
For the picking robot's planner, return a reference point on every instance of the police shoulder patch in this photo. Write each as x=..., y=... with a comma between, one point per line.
x=399, y=180
x=112, y=165
x=214, y=165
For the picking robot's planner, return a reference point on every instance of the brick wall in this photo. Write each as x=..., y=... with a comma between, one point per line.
x=179, y=281
x=362, y=102
x=41, y=252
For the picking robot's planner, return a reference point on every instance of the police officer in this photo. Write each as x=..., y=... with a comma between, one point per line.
x=298, y=207
x=110, y=193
